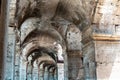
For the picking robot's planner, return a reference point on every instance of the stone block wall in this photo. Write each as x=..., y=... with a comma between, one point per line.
x=106, y=35
x=107, y=17
x=108, y=60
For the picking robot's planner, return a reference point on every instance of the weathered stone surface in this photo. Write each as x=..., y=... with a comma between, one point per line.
x=107, y=52
x=12, y=9
x=73, y=38
x=89, y=61
x=75, y=65
x=60, y=71
x=100, y=56
x=107, y=16
x=10, y=57
x=3, y=38
x=117, y=30
x=108, y=71
x=108, y=60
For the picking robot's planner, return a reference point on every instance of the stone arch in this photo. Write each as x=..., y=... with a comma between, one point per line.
x=39, y=66
x=41, y=27
x=36, y=53
x=45, y=63
x=42, y=60
x=36, y=27
x=28, y=26
x=71, y=29
x=46, y=66
x=49, y=31
x=30, y=42
x=25, y=42
x=29, y=46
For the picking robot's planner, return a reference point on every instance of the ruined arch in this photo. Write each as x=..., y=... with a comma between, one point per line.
x=39, y=41
x=48, y=39
x=47, y=27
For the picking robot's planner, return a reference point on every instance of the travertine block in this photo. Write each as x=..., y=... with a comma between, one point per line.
x=108, y=1
x=117, y=30
x=108, y=71
x=107, y=52
x=118, y=11
x=118, y=3
x=97, y=18
x=117, y=20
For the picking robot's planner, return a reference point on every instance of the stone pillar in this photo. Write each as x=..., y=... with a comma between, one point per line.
x=17, y=61
x=35, y=71
x=23, y=67
x=75, y=66
x=46, y=73
x=29, y=71
x=89, y=61
x=60, y=71
x=41, y=72
x=55, y=74
x=5, y=54
x=10, y=54
x=65, y=67
x=51, y=77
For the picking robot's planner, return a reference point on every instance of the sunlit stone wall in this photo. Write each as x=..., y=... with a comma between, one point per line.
x=60, y=71
x=107, y=17
x=106, y=27
x=108, y=60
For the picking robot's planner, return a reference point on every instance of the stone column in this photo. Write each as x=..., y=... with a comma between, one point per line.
x=89, y=61
x=4, y=22
x=29, y=71
x=75, y=66
x=46, y=73
x=41, y=72
x=65, y=67
x=23, y=67
x=35, y=71
x=10, y=54
x=51, y=74
x=17, y=60
x=60, y=71
x=55, y=74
